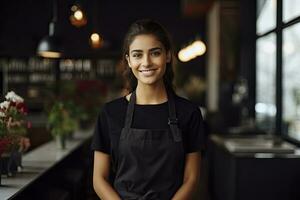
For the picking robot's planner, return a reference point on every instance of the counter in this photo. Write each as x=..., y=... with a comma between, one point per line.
x=253, y=167
x=38, y=162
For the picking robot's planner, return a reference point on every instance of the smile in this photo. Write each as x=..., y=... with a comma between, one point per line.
x=147, y=70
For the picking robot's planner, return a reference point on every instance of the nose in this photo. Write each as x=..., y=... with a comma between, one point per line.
x=146, y=62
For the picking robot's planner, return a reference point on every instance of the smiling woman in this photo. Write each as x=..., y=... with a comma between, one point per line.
x=149, y=140
x=147, y=59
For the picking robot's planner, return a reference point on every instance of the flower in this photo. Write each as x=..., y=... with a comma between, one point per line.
x=2, y=114
x=13, y=123
x=4, y=105
x=12, y=96
x=4, y=142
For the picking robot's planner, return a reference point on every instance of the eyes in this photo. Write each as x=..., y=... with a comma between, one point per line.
x=138, y=55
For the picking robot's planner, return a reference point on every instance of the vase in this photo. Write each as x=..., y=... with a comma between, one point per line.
x=5, y=166
x=10, y=162
x=60, y=141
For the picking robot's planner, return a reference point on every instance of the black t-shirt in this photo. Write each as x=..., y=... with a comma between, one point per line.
x=112, y=118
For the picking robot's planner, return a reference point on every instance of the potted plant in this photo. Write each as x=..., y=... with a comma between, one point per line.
x=13, y=129
x=60, y=123
x=4, y=141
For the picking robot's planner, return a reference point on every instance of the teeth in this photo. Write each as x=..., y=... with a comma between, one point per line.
x=147, y=70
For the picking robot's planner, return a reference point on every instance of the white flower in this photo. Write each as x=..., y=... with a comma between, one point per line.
x=2, y=114
x=12, y=96
x=4, y=105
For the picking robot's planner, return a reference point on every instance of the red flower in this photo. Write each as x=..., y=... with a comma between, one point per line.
x=22, y=107
x=11, y=103
x=4, y=142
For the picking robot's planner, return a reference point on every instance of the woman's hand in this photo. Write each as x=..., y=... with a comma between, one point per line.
x=101, y=176
x=191, y=177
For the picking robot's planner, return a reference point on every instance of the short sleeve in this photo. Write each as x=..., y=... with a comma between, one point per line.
x=195, y=133
x=101, y=139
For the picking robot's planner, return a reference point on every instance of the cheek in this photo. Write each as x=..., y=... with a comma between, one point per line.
x=133, y=64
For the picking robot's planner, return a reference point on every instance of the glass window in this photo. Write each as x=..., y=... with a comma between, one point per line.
x=266, y=16
x=291, y=81
x=265, y=106
x=291, y=10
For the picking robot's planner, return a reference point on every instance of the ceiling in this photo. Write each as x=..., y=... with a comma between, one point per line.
x=24, y=23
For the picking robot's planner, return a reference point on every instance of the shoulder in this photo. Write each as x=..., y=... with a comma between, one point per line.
x=114, y=106
x=185, y=104
x=187, y=111
x=115, y=102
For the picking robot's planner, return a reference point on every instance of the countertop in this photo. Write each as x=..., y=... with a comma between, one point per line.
x=256, y=146
x=39, y=161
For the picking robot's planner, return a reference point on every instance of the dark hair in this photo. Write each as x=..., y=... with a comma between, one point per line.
x=146, y=26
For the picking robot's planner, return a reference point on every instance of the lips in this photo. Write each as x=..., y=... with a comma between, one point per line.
x=147, y=72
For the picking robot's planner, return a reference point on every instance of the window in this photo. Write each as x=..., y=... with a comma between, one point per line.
x=266, y=15
x=291, y=80
x=265, y=107
x=291, y=10
x=277, y=67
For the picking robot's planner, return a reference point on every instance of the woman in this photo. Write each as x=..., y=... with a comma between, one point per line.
x=150, y=140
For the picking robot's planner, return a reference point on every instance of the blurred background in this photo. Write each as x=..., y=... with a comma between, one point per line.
x=236, y=59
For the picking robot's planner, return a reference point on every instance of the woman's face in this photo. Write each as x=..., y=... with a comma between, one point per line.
x=147, y=59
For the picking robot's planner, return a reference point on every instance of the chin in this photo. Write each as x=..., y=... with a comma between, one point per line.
x=150, y=82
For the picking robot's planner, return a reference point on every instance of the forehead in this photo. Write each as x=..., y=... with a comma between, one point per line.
x=144, y=42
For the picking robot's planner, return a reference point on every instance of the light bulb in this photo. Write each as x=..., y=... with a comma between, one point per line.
x=95, y=37
x=78, y=15
x=96, y=40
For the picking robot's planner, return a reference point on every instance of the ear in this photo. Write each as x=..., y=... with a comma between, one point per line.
x=169, y=56
x=128, y=60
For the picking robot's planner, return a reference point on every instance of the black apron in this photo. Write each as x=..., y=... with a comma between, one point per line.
x=150, y=162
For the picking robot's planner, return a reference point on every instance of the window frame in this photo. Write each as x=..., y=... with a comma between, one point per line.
x=278, y=30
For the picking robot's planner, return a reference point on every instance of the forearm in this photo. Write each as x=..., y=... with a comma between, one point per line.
x=186, y=191
x=104, y=190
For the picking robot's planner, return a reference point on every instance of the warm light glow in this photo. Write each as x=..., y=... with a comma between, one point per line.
x=199, y=47
x=95, y=37
x=78, y=15
x=182, y=56
x=96, y=40
x=190, y=52
x=50, y=54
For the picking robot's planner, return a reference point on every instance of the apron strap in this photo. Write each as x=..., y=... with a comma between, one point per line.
x=173, y=120
x=130, y=110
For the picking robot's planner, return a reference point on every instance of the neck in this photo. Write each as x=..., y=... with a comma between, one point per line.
x=146, y=94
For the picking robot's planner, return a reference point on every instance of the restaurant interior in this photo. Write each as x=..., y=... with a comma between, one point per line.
x=235, y=59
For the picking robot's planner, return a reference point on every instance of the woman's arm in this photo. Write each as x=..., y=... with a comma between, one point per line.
x=191, y=177
x=101, y=176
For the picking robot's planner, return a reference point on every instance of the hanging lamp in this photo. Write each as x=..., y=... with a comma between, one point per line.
x=78, y=16
x=96, y=39
x=50, y=45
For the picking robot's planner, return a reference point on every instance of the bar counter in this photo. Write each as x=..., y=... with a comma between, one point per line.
x=38, y=162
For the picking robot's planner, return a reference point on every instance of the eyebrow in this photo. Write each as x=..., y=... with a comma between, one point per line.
x=152, y=49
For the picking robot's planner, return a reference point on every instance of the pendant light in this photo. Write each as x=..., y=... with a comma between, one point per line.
x=50, y=45
x=78, y=16
x=96, y=40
